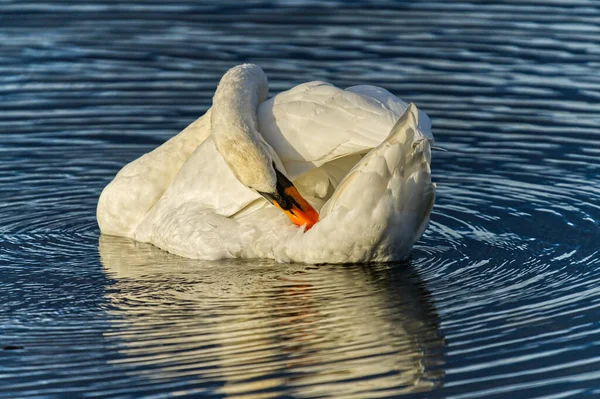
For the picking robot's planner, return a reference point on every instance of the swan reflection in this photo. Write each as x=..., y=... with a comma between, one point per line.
x=258, y=329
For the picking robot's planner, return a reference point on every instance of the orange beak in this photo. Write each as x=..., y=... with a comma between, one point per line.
x=300, y=213
x=287, y=198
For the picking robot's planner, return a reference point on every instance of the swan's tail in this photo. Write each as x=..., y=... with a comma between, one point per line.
x=383, y=204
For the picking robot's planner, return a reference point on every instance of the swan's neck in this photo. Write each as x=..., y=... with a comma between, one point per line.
x=234, y=126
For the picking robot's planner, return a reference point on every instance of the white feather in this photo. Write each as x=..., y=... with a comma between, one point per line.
x=359, y=155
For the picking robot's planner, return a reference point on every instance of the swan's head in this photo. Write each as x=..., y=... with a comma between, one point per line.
x=249, y=157
x=253, y=165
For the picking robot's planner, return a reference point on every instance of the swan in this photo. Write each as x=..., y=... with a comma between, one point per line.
x=315, y=174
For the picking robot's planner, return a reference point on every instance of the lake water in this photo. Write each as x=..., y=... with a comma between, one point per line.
x=501, y=297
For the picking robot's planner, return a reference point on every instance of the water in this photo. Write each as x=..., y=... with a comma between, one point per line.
x=501, y=297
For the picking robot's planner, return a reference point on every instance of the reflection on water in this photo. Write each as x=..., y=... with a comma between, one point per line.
x=263, y=329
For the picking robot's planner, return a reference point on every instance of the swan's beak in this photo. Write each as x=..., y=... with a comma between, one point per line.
x=287, y=198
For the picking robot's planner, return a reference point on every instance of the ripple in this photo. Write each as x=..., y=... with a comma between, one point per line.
x=238, y=327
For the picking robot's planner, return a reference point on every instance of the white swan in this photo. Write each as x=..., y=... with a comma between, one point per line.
x=361, y=156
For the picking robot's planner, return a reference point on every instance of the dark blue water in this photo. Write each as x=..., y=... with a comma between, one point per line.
x=501, y=297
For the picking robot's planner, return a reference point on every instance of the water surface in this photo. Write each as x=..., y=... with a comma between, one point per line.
x=501, y=297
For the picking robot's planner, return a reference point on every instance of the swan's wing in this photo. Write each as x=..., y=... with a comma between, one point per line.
x=138, y=186
x=380, y=208
x=394, y=105
x=316, y=122
x=205, y=183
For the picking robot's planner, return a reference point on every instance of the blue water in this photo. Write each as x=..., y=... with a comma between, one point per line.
x=501, y=297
